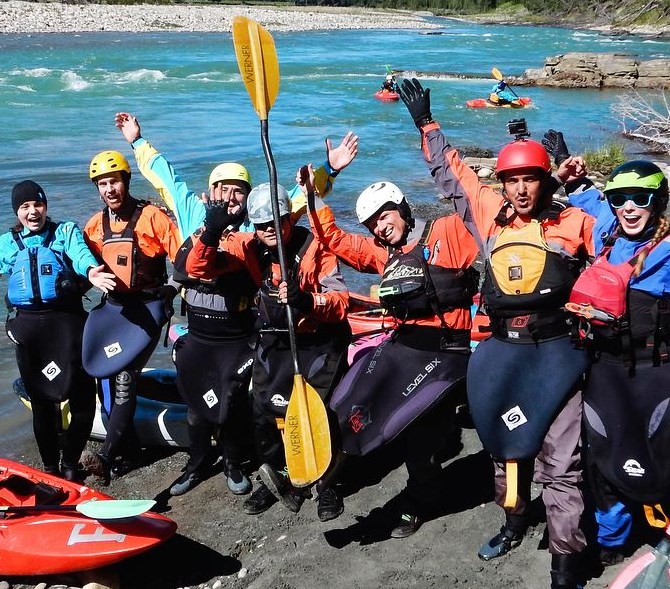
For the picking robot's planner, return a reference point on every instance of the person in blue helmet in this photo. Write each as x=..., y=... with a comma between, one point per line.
x=48, y=265
x=626, y=396
x=214, y=358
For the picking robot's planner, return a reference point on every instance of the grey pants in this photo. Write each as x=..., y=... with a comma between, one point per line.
x=558, y=469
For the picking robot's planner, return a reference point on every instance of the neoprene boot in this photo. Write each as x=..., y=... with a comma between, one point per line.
x=510, y=536
x=565, y=571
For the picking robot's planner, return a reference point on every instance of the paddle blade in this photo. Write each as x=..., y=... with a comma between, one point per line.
x=495, y=72
x=306, y=435
x=115, y=508
x=257, y=61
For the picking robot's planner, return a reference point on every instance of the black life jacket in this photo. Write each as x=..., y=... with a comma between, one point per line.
x=271, y=312
x=523, y=274
x=410, y=287
x=121, y=253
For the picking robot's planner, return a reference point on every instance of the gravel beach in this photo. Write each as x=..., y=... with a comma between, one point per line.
x=17, y=16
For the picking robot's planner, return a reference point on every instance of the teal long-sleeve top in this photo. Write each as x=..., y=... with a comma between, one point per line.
x=68, y=239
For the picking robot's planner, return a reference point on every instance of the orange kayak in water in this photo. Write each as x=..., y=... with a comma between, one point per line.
x=387, y=96
x=523, y=102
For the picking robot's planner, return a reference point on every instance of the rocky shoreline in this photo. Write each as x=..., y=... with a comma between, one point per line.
x=19, y=16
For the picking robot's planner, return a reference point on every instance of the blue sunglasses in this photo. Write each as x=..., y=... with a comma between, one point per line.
x=640, y=199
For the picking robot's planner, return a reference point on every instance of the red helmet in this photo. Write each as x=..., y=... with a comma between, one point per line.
x=522, y=153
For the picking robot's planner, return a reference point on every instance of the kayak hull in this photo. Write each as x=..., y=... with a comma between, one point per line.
x=387, y=96
x=523, y=102
x=56, y=542
x=160, y=416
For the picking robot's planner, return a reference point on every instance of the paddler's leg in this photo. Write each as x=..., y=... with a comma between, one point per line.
x=516, y=518
x=424, y=441
x=82, y=412
x=45, y=418
x=200, y=454
x=559, y=471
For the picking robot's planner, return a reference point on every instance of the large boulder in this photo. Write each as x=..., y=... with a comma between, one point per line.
x=598, y=70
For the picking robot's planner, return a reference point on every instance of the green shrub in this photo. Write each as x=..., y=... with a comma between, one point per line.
x=605, y=159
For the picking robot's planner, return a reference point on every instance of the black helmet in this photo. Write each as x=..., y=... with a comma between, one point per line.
x=641, y=175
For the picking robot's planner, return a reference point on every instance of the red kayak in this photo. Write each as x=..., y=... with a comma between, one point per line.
x=387, y=96
x=53, y=542
x=523, y=102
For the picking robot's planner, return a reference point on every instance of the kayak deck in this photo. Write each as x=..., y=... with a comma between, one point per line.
x=523, y=102
x=45, y=543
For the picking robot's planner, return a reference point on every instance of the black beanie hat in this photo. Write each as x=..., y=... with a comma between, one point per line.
x=26, y=191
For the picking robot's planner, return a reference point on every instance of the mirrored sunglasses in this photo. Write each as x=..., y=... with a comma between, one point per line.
x=640, y=199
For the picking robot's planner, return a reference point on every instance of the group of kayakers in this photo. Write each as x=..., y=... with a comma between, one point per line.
x=571, y=381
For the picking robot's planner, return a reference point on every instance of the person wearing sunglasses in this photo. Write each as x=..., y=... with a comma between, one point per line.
x=626, y=423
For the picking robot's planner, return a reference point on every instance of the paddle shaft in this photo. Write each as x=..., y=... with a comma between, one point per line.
x=281, y=254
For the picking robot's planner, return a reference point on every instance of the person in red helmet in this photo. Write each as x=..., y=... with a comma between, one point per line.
x=534, y=249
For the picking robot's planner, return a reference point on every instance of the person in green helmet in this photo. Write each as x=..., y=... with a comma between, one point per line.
x=626, y=396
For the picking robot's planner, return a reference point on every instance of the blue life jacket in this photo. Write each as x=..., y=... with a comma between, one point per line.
x=40, y=276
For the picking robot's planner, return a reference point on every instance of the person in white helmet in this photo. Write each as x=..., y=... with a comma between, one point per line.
x=427, y=285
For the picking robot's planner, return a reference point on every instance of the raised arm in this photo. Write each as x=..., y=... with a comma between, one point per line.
x=183, y=202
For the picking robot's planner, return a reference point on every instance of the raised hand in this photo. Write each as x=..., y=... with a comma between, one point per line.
x=572, y=168
x=104, y=281
x=128, y=125
x=555, y=144
x=342, y=155
x=417, y=101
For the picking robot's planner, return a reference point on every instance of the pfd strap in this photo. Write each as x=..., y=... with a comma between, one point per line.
x=512, y=479
x=652, y=520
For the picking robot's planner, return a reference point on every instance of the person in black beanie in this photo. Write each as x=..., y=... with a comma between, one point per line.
x=47, y=264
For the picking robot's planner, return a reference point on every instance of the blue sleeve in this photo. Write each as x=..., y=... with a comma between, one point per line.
x=70, y=238
x=8, y=251
x=187, y=208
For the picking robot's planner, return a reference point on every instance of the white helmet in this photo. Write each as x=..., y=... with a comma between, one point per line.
x=374, y=197
x=259, y=203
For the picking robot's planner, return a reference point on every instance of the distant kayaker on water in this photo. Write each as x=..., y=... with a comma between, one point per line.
x=501, y=94
x=534, y=249
x=409, y=381
x=134, y=239
x=48, y=265
x=389, y=84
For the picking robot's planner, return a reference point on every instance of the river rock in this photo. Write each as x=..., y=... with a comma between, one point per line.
x=597, y=70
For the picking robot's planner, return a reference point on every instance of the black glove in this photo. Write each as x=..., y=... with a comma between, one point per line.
x=217, y=218
x=555, y=144
x=417, y=101
x=297, y=298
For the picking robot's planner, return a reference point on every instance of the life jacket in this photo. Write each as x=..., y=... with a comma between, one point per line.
x=40, y=277
x=219, y=307
x=523, y=274
x=410, y=287
x=121, y=253
x=271, y=312
x=600, y=293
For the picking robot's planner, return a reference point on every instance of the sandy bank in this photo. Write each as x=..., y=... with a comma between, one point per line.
x=17, y=16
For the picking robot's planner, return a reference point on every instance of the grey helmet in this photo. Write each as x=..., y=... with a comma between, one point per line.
x=259, y=203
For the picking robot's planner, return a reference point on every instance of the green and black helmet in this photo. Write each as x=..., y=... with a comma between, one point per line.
x=639, y=175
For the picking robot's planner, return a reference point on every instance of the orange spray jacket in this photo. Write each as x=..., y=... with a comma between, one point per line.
x=567, y=234
x=449, y=243
x=134, y=249
x=319, y=272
